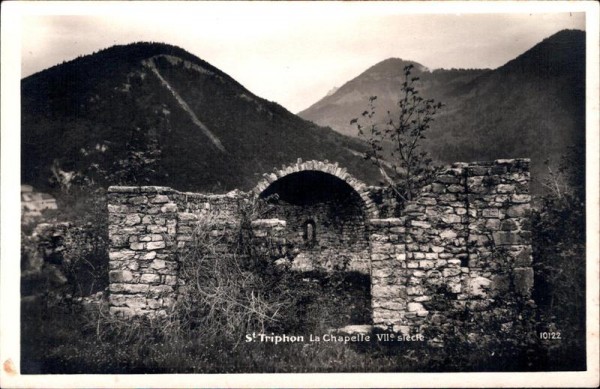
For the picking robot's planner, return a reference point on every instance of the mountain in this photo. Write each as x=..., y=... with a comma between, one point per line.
x=533, y=106
x=383, y=80
x=150, y=113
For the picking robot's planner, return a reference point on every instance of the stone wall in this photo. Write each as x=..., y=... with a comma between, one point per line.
x=499, y=225
x=388, y=271
x=337, y=237
x=269, y=239
x=148, y=228
x=466, y=237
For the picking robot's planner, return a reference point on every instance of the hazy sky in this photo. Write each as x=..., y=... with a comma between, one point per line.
x=294, y=53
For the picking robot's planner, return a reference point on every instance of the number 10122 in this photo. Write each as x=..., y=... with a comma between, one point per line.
x=549, y=335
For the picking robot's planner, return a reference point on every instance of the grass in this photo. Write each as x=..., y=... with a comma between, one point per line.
x=64, y=343
x=60, y=342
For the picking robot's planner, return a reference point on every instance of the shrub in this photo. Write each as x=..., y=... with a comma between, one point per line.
x=227, y=294
x=230, y=294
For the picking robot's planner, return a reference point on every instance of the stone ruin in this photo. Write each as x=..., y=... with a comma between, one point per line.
x=467, y=233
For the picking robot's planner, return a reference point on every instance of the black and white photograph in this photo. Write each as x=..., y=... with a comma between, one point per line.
x=202, y=191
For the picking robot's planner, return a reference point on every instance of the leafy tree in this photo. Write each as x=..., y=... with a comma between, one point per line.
x=397, y=143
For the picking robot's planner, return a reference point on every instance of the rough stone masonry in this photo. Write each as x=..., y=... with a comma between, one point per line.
x=466, y=235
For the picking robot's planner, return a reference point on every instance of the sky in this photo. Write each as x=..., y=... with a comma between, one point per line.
x=294, y=53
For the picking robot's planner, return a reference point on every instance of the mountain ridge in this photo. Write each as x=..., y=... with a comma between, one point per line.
x=111, y=119
x=383, y=80
x=532, y=106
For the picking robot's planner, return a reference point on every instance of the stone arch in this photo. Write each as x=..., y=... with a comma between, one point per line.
x=324, y=167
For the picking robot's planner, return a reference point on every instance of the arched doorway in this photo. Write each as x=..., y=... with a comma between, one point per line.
x=326, y=221
x=327, y=232
x=327, y=212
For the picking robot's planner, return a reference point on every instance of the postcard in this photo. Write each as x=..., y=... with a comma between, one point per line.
x=299, y=194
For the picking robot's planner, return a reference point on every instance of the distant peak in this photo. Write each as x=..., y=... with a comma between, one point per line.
x=396, y=65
